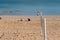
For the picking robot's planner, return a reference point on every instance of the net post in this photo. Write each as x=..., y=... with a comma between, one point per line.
x=45, y=29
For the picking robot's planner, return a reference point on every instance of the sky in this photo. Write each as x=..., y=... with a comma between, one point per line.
x=29, y=7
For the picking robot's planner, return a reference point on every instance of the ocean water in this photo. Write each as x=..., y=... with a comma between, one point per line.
x=29, y=7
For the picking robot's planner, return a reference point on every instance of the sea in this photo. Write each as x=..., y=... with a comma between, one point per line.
x=29, y=7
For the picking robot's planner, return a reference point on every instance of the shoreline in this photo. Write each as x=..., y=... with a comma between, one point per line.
x=29, y=15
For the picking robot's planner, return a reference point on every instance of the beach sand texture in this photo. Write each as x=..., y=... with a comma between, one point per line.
x=12, y=28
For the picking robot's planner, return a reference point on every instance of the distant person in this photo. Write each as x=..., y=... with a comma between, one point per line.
x=11, y=11
x=29, y=19
x=0, y=18
x=21, y=20
x=37, y=14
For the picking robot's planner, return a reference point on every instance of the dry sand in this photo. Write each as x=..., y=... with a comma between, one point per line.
x=11, y=28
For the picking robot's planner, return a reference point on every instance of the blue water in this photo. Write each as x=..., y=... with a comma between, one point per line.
x=29, y=7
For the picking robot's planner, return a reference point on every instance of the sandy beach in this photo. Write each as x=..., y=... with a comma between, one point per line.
x=12, y=28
